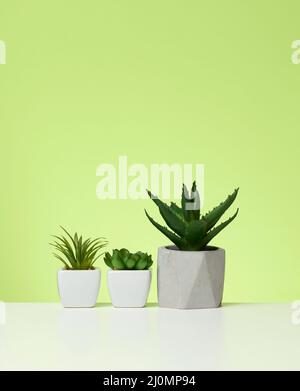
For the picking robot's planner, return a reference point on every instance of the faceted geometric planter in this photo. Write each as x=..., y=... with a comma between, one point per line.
x=190, y=279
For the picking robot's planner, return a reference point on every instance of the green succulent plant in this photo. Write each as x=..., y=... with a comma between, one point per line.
x=76, y=253
x=125, y=260
x=191, y=231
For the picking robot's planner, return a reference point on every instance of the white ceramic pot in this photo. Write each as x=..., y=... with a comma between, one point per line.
x=129, y=288
x=190, y=279
x=78, y=288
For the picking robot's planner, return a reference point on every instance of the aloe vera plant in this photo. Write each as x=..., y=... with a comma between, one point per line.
x=191, y=230
x=125, y=260
x=76, y=253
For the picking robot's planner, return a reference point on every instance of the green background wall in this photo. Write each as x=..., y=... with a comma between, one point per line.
x=158, y=81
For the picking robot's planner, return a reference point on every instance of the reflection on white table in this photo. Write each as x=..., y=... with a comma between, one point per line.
x=233, y=337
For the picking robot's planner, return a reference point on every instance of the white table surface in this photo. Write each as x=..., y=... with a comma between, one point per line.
x=235, y=336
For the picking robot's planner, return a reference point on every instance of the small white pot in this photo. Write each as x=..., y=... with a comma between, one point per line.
x=129, y=288
x=78, y=288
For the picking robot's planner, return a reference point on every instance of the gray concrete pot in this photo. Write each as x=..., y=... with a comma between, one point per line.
x=190, y=279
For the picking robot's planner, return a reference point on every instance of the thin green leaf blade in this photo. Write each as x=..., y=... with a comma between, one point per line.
x=172, y=220
x=211, y=234
x=213, y=216
x=180, y=243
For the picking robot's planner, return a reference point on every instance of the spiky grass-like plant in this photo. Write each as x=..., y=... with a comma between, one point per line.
x=76, y=253
x=191, y=231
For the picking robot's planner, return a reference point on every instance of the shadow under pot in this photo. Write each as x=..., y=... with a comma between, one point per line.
x=129, y=288
x=78, y=288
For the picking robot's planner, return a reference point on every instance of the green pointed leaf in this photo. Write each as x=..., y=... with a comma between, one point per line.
x=67, y=245
x=62, y=260
x=215, y=214
x=141, y=264
x=211, y=234
x=190, y=203
x=65, y=252
x=184, y=201
x=116, y=261
x=130, y=263
x=195, y=231
x=196, y=202
x=172, y=220
x=124, y=254
x=180, y=243
x=118, y=264
x=177, y=210
x=149, y=263
x=68, y=235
